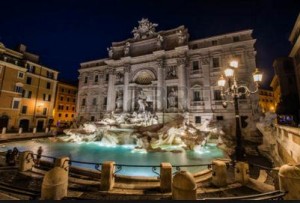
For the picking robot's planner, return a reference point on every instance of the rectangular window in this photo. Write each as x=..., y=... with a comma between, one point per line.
x=85, y=80
x=214, y=42
x=195, y=65
x=44, y=111
x=20, y=75
x=96, y=78
x=105, y=101
x=59, y=115
x=94, y=101
x=217, y=95
x=28, y=80
x=83, y=102
x=216, y=62
x=48, y=86
x=30, y=68
x=24, y=109
x=92, y=118
x=198, y=119
x=29, y=94
x=67, y=107
x=50, y=75
x=19, y=89
x=107, y=77
x=66, y=115
x=197, y=96
x=15, y=104
x=220, y=118
x=61, y=98
x=72, y=115
x=73, y=108
x=26, y=94
x=68, y=99
x=62, y=89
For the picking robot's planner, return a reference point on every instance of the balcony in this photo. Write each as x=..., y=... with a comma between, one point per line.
x=197, y=103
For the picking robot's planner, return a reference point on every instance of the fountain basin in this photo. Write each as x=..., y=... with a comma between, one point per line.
x=94, y=152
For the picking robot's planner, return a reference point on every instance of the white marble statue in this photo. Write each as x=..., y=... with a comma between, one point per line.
x=127, y=49
x=142, y=101
x=172, y=98
x=110, y=52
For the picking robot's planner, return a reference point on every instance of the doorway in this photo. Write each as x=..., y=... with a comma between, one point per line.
x=40, y=125
x=3, y=122
x=24, y=123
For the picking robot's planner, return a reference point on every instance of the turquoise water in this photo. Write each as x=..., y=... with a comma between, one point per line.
x=122, y=154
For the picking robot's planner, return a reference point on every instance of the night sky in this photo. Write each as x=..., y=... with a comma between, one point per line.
x=67, y=32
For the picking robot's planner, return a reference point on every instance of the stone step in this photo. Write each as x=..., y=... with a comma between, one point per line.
x=4, y=196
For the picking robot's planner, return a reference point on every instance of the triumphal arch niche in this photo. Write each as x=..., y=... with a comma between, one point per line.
x=166, y=73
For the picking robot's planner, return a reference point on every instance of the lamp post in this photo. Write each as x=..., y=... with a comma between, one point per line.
x=234, y=92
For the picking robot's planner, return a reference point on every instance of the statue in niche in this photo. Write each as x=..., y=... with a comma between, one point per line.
x=181, y=37
x=110, y=52
x=172, y=72
x=159, y=41
x=142, y=101
x=172, y=98
x=119, y=100
x=144, y=30
x=127, y=49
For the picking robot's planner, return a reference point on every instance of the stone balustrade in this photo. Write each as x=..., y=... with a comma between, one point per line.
x=182, y=185
x=280, y=143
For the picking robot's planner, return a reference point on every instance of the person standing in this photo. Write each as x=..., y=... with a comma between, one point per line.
x=39, y=156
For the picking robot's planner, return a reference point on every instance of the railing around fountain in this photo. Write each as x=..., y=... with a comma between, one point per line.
x=119, y=167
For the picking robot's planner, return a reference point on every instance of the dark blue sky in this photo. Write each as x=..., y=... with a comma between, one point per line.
x=67, y=32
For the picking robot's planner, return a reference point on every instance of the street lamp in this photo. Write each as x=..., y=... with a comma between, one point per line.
x=234, y=91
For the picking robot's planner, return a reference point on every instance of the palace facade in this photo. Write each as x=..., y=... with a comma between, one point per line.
x=167, y=73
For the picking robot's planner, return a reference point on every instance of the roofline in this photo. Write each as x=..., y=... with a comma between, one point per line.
x=294, y=28
x=248, y=31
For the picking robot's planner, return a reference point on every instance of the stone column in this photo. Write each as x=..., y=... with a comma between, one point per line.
x=4, y=130
x=219, y=173
x=160, y=85
x=111, y=93
x=241, y=172
x=107, y=175
x=55, y=184
x=184, y=186
x=26, y=161
x=289, y=181
x=182, y=88
x=126, y=99
x=62, y=162
x=132, y=98
x=165, y=177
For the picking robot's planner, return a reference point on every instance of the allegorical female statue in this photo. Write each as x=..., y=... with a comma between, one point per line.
x=172, y=98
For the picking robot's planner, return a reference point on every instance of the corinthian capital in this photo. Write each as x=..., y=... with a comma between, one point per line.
x=111, y=71
x=181, y=61
x=127, y=68
x=160, y=62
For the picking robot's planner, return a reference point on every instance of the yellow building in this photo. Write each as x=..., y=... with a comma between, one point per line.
x=266, y=100
x=27, y=90
x=276, y=91
x=65, y=104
